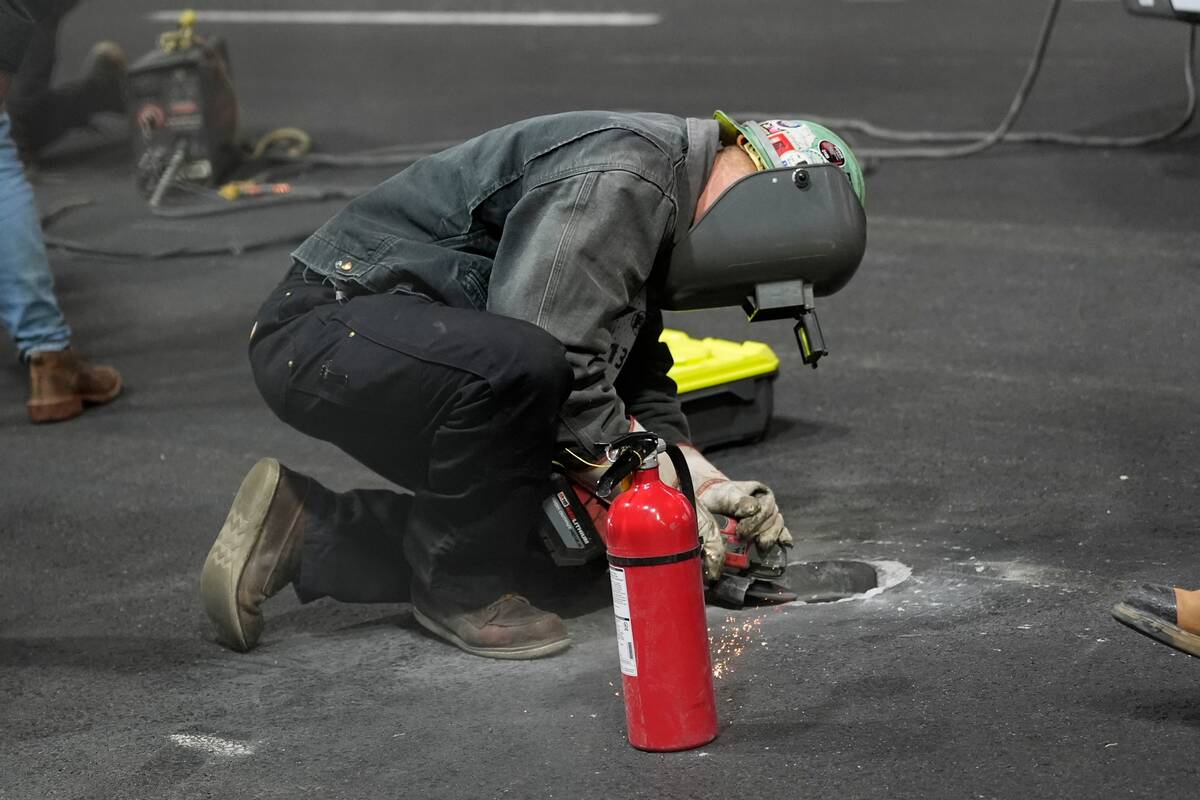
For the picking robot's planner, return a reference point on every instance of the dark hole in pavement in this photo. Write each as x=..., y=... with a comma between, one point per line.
x=575, y=591
x=826, y=581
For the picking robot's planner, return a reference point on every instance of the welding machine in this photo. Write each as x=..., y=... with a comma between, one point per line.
x=1185, y=10
x=185, y=114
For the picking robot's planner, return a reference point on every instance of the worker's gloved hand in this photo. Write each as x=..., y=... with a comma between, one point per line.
x=712, y=541
x=751, y=503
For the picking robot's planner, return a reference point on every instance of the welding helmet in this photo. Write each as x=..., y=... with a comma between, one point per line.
x=778, y=237
x=792, y=143
x=789, y=224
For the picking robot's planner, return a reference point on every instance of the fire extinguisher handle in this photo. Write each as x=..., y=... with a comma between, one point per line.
x=684, y=474
x=622, y=468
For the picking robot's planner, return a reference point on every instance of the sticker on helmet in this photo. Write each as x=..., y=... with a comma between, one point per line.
x=803, y=157
x=790, y=123
x=770, y=127
x=832, y=153
x=782, y=143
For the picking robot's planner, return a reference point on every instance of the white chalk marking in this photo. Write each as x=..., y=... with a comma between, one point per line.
x=888, y=574
x=213, y=745
x=536, y=19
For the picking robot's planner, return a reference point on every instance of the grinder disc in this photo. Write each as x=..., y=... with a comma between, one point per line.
x=768, y=593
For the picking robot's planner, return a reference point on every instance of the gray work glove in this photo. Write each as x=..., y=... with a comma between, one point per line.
x=713, y=542
x=751, y=503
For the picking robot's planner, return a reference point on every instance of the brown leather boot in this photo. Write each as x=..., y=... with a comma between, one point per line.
x=61, y=384
x=511, y=627
x=1166, y=613
x=256, y=554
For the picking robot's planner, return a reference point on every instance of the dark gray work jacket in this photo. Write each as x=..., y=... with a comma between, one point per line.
x=557, y=220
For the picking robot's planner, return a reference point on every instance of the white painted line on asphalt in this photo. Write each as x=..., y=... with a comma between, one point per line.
x=620, y=19
x=213, y=745
x=1175, y=1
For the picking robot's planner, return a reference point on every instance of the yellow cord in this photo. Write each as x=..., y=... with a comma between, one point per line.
x=582, y=460
x=300, y=142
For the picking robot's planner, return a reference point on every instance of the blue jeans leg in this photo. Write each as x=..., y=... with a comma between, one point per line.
x=28, y=308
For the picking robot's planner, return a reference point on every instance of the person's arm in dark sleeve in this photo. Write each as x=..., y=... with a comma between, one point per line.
x=16, y=26
x=649, y=394
x=574, y=254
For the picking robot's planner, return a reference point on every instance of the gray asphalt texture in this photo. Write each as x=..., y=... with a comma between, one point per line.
x=1009, y=410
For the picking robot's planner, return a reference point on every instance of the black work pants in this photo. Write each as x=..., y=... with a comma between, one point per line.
x=458, y=406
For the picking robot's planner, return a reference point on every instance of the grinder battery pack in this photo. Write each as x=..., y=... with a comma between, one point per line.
x=570, y=529
x=185, y=114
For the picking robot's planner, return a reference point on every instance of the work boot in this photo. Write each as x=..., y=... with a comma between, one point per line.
x=105, y=76
x=1168, y=614
x=511, y=627
x=256, y=554
x=61, y=384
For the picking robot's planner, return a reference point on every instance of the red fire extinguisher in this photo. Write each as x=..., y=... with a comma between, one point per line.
x=654, y=557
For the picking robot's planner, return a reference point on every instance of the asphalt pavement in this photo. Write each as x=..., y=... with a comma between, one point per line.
x=1008, y=411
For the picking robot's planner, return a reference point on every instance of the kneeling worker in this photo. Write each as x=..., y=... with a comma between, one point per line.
x=451, y=329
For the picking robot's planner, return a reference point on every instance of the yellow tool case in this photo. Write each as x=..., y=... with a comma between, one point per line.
x=726, y=388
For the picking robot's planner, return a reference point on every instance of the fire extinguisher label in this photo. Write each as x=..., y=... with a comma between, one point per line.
x=625, y=646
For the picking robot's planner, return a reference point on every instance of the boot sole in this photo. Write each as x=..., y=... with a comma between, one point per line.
x=232, y=550
x=61, y=410
x=522, y=653
x=1157, y=629
x=54, y=411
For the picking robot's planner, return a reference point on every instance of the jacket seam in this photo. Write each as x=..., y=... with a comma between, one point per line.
x=602, y=167
x=482, y=197
x=556, y=266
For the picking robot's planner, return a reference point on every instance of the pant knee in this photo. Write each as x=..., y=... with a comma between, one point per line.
x=536, y=374
x=548, y=367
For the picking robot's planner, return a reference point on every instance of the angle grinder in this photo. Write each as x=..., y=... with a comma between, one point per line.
x=752, y=576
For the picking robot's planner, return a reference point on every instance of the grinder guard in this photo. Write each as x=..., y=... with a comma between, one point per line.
x=764, y=239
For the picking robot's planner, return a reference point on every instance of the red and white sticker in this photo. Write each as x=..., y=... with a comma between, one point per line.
x=833, y=153
x=782, y=143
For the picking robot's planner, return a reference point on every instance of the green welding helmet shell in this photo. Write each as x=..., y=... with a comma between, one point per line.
x=775, y=143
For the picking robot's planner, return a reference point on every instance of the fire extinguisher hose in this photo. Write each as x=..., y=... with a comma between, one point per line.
x=684, y=474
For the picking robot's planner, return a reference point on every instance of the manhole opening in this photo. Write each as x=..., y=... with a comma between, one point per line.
x=808, y=582
x=828, y=581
